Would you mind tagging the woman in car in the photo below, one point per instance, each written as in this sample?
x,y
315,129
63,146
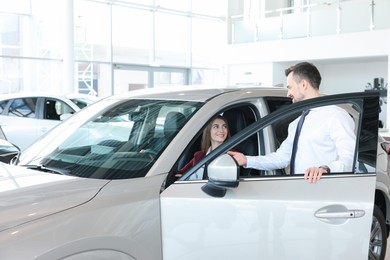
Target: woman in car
x,y
216,132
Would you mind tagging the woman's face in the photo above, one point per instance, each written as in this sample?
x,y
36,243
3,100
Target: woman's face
x,y
219,131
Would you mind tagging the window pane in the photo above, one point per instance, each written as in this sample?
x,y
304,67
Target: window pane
x,y
42,32
182,5
131,35
10,38
16,6
128,80
207,38
30,75
23,107
207,77
92,31
2,105
214,8
171,39
164,78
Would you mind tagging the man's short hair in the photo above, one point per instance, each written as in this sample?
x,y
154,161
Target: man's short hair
x,y
305,70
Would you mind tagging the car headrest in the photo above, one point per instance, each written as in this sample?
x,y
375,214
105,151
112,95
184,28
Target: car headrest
x,y
236,120
174,121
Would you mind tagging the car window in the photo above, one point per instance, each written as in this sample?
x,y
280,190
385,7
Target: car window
x,y
268,138
2,135
279,128
277,132
238,117
3,104
54,108
23,107
121,142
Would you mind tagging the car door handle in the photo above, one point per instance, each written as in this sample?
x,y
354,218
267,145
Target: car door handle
x,y
337,214
356,213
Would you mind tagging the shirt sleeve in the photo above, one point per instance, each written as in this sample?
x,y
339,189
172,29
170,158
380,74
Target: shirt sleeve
x,y
342,131
278,159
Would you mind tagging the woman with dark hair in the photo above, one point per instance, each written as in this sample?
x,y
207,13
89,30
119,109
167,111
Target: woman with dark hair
x,y
216,132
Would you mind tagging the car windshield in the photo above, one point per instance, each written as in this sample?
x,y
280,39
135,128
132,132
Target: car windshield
x,y
120,142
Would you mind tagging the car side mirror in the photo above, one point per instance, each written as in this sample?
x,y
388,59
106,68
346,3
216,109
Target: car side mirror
x,y
386,147
223,173
9,153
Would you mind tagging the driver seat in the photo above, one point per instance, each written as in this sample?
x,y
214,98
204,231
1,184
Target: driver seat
x,y
237,121
174,121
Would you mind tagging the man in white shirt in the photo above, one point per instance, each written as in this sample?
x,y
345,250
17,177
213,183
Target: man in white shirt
x,y
327,138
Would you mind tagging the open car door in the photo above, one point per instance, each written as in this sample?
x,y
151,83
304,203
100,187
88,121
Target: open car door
x,y
276,217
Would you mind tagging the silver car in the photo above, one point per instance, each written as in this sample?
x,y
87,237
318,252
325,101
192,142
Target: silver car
x,y
103,185
25,117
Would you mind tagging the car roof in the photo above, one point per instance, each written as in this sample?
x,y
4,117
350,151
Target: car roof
x,y
197,93
81,96
48,95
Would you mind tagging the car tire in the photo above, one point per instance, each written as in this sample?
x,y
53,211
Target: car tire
x,y
378,238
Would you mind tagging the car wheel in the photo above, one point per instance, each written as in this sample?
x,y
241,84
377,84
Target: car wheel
x,y
378,238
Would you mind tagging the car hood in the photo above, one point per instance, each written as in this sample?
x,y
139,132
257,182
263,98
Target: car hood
x,y
27,194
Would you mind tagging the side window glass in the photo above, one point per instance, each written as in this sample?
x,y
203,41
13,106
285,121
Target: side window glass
x,y
275,103
280,128
55,108
23,107
3,104
236,119
328,137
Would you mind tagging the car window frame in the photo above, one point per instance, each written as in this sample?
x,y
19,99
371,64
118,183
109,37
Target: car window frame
x,y
356,99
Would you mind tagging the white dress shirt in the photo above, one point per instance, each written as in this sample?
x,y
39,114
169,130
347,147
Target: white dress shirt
x,y
327,138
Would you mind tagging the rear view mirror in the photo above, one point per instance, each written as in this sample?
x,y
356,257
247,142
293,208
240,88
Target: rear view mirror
x,y
223,173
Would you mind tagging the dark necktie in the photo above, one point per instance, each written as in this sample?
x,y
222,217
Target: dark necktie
x,y
296,138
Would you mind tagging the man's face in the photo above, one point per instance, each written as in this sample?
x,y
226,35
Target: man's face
x,y
295,90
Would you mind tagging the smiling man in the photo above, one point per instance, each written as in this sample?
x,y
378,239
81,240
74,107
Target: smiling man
x,y
324,141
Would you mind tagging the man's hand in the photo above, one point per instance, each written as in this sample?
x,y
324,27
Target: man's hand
x,y
239,157
314,174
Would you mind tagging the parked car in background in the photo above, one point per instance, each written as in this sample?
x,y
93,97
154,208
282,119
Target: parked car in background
x,y
24,117
103,185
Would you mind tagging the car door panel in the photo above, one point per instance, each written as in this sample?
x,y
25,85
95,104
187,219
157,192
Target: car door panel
x,y
267,218
20,130
277,217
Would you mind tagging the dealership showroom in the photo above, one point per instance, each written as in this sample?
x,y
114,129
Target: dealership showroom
x,y
157,129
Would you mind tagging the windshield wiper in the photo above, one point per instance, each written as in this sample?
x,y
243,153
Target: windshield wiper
x,y
43,168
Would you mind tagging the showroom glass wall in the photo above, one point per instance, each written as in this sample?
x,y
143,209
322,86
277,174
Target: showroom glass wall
x,y
264,20
109,47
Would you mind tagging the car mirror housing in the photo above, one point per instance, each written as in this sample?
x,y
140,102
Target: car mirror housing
x,y
8,152
223,173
